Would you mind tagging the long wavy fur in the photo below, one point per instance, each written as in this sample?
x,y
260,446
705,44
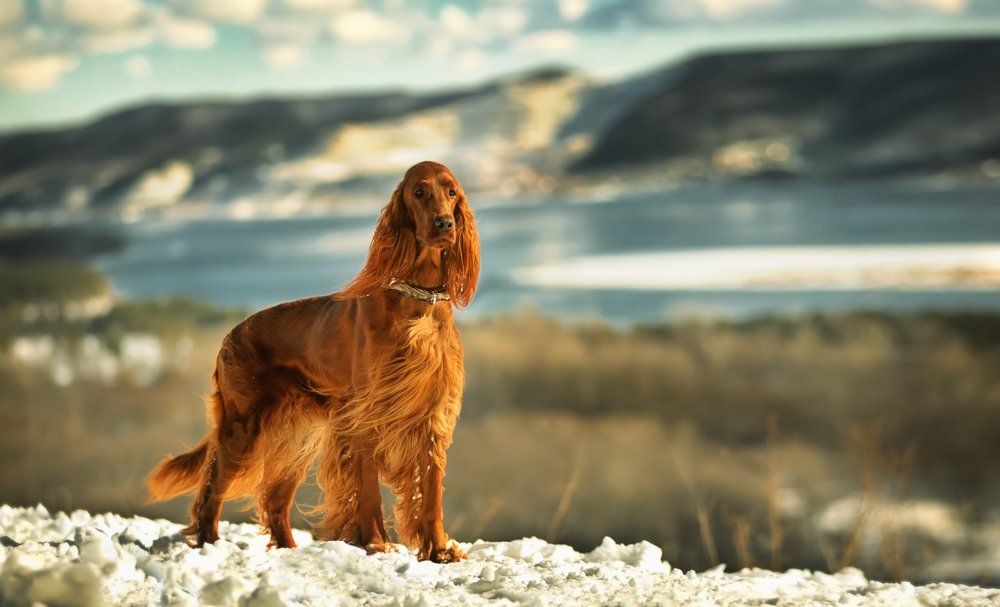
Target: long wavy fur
x,y
276,406
391,254
393,251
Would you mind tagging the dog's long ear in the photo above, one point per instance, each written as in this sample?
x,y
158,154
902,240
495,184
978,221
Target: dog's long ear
x,y
392,252
463,257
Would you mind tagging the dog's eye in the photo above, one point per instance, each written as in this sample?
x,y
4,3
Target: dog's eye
x,y
451,192
419,193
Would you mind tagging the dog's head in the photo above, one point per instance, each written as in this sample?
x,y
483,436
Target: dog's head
x,y
430,202
428,209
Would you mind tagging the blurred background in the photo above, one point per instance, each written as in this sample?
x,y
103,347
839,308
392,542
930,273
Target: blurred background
x,y
741,274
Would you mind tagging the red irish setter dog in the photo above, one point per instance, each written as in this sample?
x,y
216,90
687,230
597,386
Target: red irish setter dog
x,y
368,379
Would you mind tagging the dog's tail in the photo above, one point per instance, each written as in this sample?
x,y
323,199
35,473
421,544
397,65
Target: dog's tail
x,y
182,473
179,474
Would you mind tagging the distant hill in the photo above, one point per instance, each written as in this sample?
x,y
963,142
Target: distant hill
x,y
902,110
227,140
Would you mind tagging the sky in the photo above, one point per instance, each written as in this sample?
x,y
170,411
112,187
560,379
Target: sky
x,y
66,61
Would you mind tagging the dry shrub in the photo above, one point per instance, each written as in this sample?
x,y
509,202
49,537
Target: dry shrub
x,y
577,432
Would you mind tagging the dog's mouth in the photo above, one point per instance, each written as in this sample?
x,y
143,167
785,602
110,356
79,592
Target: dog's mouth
x,y
440,241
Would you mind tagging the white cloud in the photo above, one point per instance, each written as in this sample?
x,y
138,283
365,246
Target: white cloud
x,y
11,13
101,14
366,27
940,6
470,60
505,20
456,21
290,29
571,10
729,9
946,6
675,11
317,6
43,39
457,28
9,45
284,56
223,11
550,42
186,33
116,41
36,73
138,67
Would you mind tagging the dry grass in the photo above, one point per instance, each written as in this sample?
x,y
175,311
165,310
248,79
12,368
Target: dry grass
x,y
693,436
931,378
564,501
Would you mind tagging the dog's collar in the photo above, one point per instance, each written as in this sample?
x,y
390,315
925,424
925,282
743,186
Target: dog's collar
x,y
431,296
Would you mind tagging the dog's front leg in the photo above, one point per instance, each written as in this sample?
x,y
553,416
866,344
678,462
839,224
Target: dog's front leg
x,y
353,505
419,515
433,541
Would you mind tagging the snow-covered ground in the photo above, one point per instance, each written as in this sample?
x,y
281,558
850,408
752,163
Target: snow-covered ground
x,y
84,559
834,267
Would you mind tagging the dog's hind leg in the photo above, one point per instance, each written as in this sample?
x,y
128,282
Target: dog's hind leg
x,y
285,451
275,505
228,459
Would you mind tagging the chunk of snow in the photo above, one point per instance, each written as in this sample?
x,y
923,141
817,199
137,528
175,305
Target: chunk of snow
x,y
98,549
642,555
82,559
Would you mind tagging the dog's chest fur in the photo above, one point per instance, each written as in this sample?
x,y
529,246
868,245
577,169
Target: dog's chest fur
x,y
430,360
416,388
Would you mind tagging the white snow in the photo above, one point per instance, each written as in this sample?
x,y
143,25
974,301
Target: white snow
x,y
84,559
840,267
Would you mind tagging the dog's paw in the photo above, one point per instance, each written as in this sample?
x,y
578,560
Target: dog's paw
x,y
281,543
197,537
199,542
377,547
449,554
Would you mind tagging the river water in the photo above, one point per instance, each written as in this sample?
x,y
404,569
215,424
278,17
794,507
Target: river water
x,y
255,263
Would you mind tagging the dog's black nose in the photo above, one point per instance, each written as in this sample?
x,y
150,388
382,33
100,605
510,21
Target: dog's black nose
x,y
444,223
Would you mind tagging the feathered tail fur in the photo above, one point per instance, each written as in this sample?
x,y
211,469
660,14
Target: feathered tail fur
x,y
179,474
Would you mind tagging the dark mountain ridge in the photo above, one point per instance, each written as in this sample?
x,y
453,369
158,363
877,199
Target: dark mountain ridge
x,y
872,111
40,166
901,110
